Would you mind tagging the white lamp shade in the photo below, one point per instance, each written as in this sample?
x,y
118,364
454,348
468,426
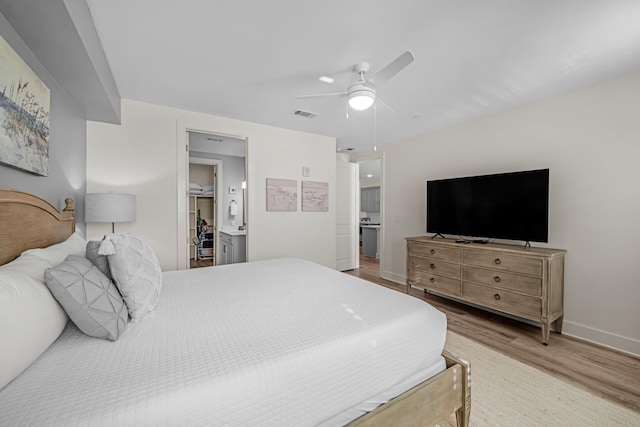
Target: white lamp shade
x,y
109,207
361,99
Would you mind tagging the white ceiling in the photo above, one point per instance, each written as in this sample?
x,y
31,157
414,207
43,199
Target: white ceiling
x,y
250,59
369,170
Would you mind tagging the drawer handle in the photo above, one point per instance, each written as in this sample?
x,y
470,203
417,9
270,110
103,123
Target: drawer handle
x,y
497,261
432,266
432,280
497,297
432,251
497,279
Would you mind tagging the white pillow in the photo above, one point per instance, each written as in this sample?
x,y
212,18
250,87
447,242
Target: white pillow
x,y
55,254
136,272
30,318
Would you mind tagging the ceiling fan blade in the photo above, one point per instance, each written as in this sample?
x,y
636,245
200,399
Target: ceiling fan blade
x,y
378,99
393,68
324,95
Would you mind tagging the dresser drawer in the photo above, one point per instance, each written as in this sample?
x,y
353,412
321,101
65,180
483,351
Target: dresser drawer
x,y
435,251
435,266
424,280
503,280
524,282
503,261
509,302
226,238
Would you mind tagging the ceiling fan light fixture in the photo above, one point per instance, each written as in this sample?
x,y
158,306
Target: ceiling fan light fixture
x,y
361,98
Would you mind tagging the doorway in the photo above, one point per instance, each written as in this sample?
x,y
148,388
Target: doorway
x,y
371,210
225,156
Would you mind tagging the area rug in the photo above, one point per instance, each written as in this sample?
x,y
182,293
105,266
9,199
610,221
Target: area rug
x,y
505,392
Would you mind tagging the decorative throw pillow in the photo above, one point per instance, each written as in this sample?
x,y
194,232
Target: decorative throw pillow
x,y
136,272
90,299
100,261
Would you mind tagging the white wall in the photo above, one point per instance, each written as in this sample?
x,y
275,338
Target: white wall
x,y
590,140
146,156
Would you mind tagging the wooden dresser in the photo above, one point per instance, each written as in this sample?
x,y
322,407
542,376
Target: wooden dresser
x,y
524,282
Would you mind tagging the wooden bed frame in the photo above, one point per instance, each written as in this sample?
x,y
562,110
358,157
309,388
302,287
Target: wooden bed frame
x,y
27,222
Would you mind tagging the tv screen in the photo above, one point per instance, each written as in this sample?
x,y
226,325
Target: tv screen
x,y
512,206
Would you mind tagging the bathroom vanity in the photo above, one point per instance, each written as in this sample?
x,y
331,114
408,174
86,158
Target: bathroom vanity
x,y
233,246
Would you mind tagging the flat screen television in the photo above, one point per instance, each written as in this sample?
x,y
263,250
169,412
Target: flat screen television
x,y
513,206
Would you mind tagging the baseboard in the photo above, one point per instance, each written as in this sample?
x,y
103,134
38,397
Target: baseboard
x,y
606,339
398,278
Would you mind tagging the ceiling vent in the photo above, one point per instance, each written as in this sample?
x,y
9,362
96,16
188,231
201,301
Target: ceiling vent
x,y
306,114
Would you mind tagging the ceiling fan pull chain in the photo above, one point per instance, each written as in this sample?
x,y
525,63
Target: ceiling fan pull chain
x,y
375,128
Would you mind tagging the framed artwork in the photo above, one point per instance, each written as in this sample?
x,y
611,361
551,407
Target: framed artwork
x,y
282,195
24,115
315,196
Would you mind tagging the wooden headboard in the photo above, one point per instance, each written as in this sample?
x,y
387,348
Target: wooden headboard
x,y
27,222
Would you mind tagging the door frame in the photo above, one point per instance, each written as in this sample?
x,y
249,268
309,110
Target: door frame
x,y
182,185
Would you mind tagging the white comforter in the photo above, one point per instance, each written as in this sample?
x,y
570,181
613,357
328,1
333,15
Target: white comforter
x,y
282,342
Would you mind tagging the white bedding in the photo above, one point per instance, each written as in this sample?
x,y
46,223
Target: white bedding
x,y
283,342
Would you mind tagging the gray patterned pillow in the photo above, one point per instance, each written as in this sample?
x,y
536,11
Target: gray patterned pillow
x,y
90,299
100,261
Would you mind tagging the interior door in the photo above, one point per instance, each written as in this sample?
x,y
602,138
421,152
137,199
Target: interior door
x,y
347,202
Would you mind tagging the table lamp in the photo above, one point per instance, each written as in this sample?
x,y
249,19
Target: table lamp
x,y
109,207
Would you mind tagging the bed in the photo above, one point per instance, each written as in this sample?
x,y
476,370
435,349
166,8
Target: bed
x,y
278,342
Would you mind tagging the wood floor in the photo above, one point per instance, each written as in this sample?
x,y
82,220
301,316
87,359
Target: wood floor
x,y
193,263
606,373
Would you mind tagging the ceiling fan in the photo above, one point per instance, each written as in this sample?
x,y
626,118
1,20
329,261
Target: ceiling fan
x,y
362,94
